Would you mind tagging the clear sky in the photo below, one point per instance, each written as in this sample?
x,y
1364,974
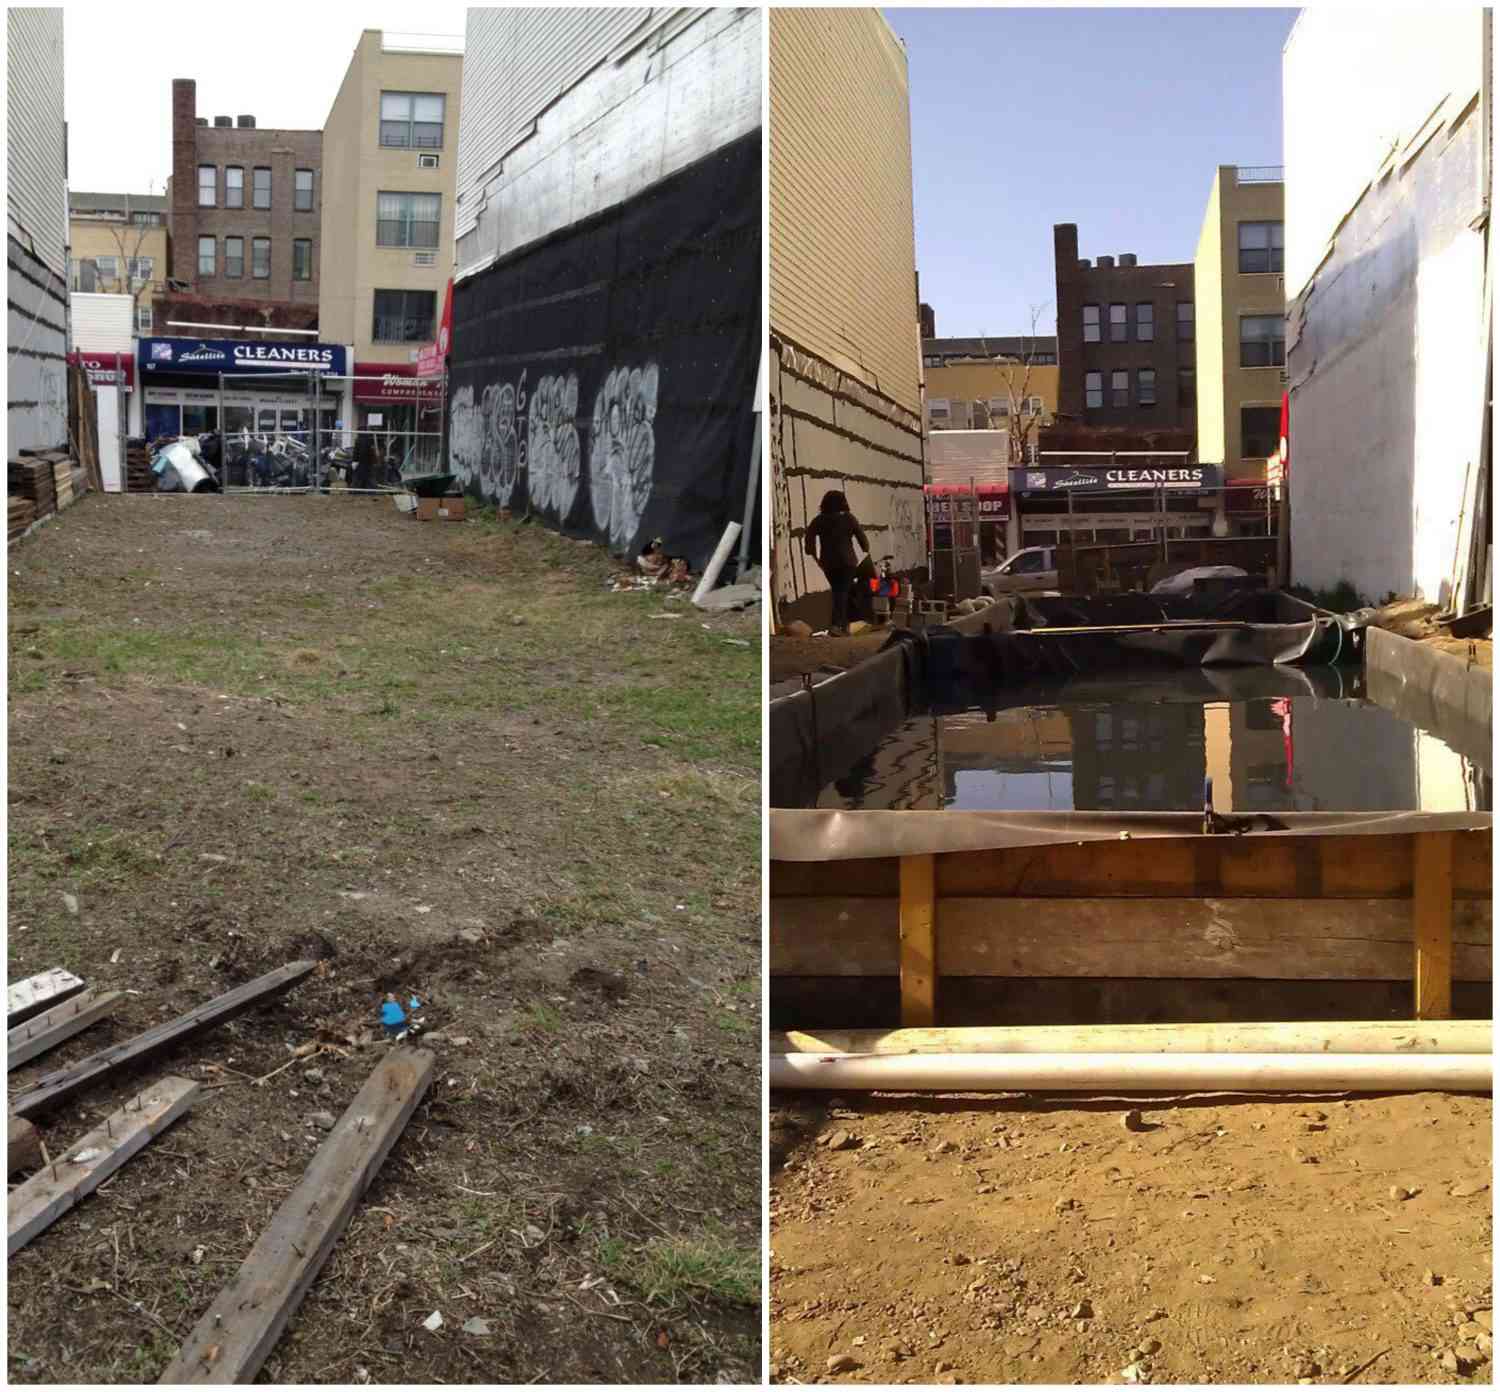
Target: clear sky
x,y
281,63
1114,119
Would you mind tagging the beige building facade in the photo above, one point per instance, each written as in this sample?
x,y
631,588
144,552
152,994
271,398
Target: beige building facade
x,y
390,147
1241,312
117,245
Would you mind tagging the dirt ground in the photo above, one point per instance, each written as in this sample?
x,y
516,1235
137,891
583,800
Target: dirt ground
x,y
1412,618
441,759
1005,1240
791,657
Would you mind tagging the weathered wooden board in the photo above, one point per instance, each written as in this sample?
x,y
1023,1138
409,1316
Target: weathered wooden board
x,y
52,1191
1289,939
38,993
1295,1037
1432,925
23,1147
42,1032
1226,867
239,1330
58,1086
919,949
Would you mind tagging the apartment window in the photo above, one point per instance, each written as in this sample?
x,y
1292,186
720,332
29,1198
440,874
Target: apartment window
x,y
1145,323
932,362
302,197
261,191
146,219
302,259
139,268
234,257
1119,388
1117,326
1031,406
106,267
1260,247
1260,431
1184,321
234,186
143,319
207,186
1145,386
207,257
1093,390
407,219
406,316
260,258
1044,359
411,120
1187,389
1091,323
999,408
1262,340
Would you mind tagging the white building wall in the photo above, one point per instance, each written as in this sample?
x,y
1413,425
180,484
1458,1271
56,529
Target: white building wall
x,y
568,112
1384,276
103,323
36,194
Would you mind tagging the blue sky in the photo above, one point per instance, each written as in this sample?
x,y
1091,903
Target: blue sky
x,y
1111,118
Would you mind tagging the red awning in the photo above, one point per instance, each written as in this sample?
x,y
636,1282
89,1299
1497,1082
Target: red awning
x,y
107,369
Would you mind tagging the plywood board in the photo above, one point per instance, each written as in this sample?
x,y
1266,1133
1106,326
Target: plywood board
x,y
38,993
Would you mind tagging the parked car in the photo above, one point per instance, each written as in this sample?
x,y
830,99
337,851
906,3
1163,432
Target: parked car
x,y
1027,572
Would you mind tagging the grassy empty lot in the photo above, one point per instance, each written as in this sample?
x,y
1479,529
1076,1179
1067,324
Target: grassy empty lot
x,y
440,759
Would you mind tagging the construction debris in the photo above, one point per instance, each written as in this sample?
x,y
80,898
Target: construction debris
x,y
37,993
33,1038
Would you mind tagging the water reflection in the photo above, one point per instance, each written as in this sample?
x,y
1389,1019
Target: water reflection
x,y
1272,740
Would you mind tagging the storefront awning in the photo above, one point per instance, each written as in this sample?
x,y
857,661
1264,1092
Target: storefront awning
x,y
106,369
392,384
212,356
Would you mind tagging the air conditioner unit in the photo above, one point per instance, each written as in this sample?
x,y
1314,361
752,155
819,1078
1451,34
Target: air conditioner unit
x,y
427,161
424,258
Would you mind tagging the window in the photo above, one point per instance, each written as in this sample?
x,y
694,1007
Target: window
x,y
1031,406
207,186
932,362
139,268
411,120
1145,386
261,193
407,219
234,257
405,316
1260,431
1187,389
1027,563
1093,390
302,199
1145,323
106,267
1260,247
146,219
207,257
1262,340
260,258
234,186
302,259
1091,323
143,319
1184,321
1119,388
1117,326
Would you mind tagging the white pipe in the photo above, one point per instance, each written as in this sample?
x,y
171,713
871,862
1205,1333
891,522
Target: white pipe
x,y
711,574
1134,1072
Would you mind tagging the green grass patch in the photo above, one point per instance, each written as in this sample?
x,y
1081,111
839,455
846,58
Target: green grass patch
x,y
674,1271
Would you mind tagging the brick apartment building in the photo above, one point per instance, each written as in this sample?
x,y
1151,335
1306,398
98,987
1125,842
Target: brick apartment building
x,y
1125,339
243,206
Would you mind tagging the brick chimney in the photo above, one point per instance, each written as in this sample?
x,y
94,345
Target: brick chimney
x,y
182,212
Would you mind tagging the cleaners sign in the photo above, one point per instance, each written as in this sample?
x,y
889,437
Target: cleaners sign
x,y
215,355
1054,480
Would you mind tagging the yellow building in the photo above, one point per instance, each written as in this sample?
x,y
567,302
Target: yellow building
x,y
990,383
390,147
1241,329
117,245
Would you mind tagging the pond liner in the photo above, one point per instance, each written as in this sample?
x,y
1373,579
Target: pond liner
x,y
1444,694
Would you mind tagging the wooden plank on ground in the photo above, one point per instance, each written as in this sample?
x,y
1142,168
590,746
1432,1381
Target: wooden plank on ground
x,y
38,993
1275,939
58,1086
28,1041
77,1172
1432,924
1252,1037
23,1147
239,1330
919,940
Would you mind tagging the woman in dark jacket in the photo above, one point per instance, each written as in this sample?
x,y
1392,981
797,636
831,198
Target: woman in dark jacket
x,y
830,539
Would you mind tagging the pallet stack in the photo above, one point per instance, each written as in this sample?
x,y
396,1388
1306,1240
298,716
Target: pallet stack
x,y
22,515
62,477
138,475
32,478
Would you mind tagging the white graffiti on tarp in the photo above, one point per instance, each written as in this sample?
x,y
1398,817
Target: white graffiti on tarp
x,y
465,436
552,451
622,451
482,442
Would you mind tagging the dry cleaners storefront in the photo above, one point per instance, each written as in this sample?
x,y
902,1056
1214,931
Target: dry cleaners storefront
x,y
192,385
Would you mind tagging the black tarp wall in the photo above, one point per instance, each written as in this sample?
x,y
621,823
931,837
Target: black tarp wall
x,y
603,378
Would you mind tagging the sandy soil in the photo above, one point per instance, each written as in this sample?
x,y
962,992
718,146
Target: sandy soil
x,y
974,1240
436,758
790,657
